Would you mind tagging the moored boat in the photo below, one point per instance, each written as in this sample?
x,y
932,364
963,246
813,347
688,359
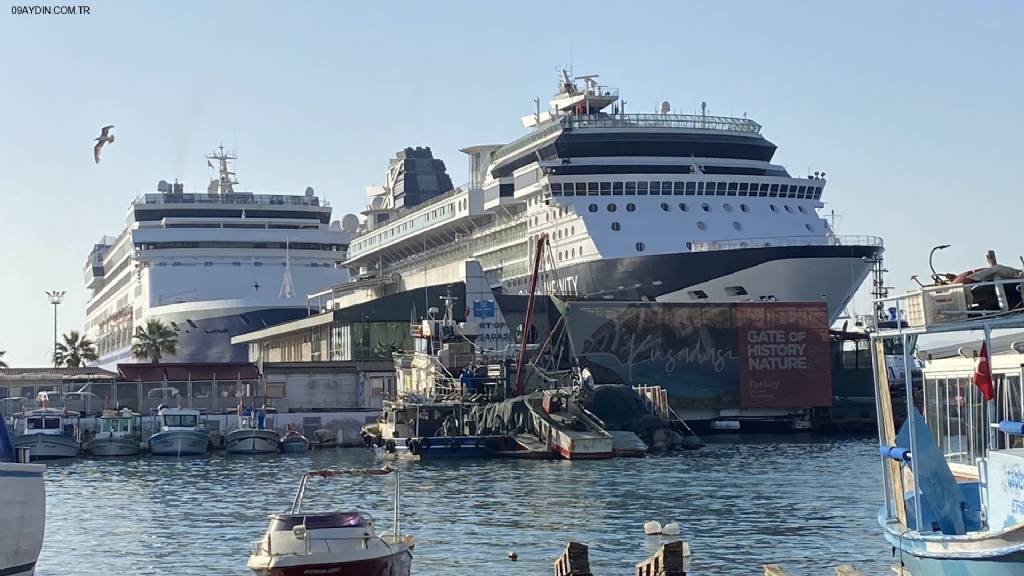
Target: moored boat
x,y
22,510
567,428
293,441
334,542
48,433
427,430
252,435
180,434
118,434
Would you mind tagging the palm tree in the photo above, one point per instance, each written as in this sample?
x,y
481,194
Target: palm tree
x,y
2,363
153,341
75,351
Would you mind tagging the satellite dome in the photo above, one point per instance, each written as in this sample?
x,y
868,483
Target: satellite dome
x,y
349,223
376,203
309,190
336,226
666,107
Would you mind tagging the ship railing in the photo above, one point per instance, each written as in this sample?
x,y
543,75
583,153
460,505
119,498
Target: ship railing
x,y
231,198
784,241
954,307
686,121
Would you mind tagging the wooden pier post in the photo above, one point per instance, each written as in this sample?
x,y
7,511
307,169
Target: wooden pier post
x,y
667,561
574,561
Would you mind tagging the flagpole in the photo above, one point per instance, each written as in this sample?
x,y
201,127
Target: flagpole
x,y
990,405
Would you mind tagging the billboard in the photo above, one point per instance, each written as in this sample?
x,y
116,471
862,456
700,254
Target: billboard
x,y
715,356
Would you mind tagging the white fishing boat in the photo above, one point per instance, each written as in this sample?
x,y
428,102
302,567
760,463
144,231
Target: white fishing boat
x,y
48,433
180,433
22,510
293,441
252,435
953,483
299,543
118,435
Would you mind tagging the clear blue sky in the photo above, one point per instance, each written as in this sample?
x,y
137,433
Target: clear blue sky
x,y
913,109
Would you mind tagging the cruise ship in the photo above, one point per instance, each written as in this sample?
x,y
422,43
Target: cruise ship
x,y
210,266
635,206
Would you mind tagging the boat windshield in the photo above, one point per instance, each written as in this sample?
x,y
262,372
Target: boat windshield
x,y
335,520
115,424
43,423
180,420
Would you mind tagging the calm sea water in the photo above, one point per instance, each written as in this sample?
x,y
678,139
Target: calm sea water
x,y
803,501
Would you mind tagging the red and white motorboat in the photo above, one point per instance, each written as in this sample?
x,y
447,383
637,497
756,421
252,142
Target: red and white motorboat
x,y
301,543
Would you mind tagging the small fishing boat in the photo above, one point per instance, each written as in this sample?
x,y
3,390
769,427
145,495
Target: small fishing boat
x,y
299,543
118,434
48,433
252,435
424,430
567,428
22,510
293,441
180,433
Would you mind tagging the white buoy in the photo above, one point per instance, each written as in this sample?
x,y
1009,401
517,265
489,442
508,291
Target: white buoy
x,y
670,529
652,527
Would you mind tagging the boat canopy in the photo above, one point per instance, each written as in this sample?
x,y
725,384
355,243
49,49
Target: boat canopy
x,y
317,520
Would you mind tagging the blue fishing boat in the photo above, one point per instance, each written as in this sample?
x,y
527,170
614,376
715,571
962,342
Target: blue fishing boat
x,y
180,434
954,477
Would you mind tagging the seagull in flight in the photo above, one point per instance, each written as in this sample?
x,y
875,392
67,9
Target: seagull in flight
x,y
105,138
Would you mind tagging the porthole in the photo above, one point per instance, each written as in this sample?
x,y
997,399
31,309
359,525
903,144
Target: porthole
x,y
809,227
702,226
684,207
592,208
773,207
572,230
802,209
788,208
640,247
664,207
737,226
573,252
689,245
727,206
630,207
612,207
616,226
744,208
705,207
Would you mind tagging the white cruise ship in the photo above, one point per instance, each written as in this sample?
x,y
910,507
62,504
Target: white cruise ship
x,y
210,266
658,207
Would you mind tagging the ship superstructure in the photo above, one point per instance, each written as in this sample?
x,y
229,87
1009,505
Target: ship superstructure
x,y
210,265
662,206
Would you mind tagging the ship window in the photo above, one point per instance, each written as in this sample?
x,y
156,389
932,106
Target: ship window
x,y
773,191
592,189
641,188
744,208
678,188
689,245
743,188
784,190
802,209
640,247
737,225
655,188
664,206
592,207
705,207
801,192
702,226
162,264
616,188
727,206
556,190
809,227
606,188
666,188
207,263
684,207
616,226
630,207
736,291
630,188
612,207
573,252
773,207
732,188
720,189
691,188
789,208
568,190
190,323
764,191
698,294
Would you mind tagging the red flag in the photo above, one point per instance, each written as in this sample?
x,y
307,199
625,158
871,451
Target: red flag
x,y
982,376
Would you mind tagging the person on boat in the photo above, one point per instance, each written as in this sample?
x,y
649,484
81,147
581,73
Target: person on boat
x,y
466,378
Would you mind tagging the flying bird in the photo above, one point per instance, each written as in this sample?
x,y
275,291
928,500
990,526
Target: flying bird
x,y
105,137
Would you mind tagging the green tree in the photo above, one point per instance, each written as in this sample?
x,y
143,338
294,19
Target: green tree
x,y
75,351
2,363
153,341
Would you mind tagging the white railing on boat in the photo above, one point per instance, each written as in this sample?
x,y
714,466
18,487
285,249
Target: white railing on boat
x,y
783,241
946,306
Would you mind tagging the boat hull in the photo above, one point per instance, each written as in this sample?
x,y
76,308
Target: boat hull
x,y
292,446
113,447
22,517
1002,566
179,443
398,564
48,446
251,442
995,553
435,448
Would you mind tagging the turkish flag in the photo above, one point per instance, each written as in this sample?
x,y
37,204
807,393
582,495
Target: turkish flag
x,y
982,376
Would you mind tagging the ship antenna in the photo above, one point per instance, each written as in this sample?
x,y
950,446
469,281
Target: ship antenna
x,y
287,291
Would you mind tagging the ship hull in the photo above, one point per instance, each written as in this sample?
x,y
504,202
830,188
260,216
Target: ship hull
x,y
113,447
22,517
178,443
398,564
251,442
47,446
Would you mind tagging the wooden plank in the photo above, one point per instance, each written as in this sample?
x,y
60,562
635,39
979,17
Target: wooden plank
x,y
667,561
888,426
574,560
773,570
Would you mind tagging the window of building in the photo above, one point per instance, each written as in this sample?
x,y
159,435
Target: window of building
x,y
630,207
616,226
640,247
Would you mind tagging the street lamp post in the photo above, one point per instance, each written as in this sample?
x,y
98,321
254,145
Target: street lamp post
x,y
55,296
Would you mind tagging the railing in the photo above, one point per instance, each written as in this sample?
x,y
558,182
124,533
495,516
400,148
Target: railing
x,y
662,121
777,241
230,198
946,306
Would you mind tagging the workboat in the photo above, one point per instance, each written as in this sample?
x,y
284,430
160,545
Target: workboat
x,y
293,441
335,542
568,428
252,435
180,433
48,433
411,429
119,434
22,510
953,483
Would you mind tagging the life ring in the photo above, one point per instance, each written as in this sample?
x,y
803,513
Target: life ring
x,y
414,446
389,446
